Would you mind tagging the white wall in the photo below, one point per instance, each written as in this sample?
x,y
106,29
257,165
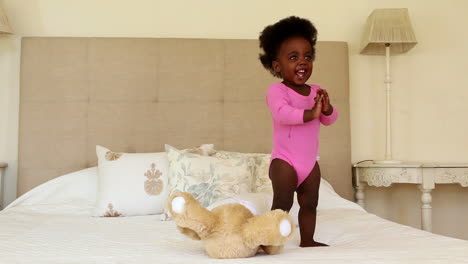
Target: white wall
x,y
9,106
429,82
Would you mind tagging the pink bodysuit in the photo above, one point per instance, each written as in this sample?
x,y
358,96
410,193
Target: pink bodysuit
x,y
294,141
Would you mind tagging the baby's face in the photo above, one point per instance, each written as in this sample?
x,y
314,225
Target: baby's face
x,y
294,61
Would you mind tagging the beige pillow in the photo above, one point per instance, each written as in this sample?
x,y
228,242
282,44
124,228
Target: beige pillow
x,y
260,165
261,173
208,178
131,183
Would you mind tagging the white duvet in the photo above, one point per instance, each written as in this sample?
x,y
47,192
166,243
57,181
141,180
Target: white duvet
x,y
52,224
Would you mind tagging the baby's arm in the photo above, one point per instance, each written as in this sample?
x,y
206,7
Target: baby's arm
x,y
280,108
329,119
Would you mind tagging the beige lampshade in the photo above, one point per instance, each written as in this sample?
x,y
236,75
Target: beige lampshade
x,y
388,26
4,25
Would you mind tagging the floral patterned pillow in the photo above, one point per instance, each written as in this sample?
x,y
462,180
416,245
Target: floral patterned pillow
x,y
131,183
262,177
208,178
260,165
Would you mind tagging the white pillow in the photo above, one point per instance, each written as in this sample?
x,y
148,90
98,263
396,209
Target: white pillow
x,y
257,203
72,193
208,178
131,183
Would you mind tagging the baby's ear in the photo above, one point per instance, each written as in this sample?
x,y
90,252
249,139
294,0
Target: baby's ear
x,y
276,66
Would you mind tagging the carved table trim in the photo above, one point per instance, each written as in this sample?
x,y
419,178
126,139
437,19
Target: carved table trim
x,y
426,175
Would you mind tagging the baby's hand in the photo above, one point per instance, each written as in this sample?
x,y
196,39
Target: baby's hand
x,y
318,107
316,111
326,106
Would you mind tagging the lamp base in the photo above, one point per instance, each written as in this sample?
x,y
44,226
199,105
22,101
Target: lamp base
x,y
387,161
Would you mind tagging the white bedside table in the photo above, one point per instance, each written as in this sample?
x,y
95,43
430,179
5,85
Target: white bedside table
x,y
3,165
427,175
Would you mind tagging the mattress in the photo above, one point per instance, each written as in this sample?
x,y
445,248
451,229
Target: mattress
x,y
53,224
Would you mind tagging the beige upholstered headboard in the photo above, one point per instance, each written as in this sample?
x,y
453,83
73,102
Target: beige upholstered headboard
x,y
135,95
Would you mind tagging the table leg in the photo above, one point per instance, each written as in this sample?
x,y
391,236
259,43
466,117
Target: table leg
x,y
360,195
426,209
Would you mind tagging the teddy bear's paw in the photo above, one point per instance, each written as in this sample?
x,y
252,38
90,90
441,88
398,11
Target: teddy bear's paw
x,y
272,250
178,204
285,227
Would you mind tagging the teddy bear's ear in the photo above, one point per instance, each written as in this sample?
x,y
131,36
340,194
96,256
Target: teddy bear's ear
x,y
189,232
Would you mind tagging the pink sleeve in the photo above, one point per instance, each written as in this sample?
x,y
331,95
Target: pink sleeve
x,y
328,120
280,108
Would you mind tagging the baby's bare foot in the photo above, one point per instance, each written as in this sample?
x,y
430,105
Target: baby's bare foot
x,y
312,244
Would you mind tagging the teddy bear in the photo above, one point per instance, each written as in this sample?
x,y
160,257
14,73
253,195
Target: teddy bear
x,y
231,230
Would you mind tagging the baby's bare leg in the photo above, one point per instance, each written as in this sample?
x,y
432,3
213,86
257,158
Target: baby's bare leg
x,y
284,180
307,196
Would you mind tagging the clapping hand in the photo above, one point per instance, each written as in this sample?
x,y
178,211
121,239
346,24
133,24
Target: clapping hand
x,y
322,106
318,106
327,108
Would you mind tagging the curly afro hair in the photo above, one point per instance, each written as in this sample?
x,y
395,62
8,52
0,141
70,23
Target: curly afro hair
x,y
273,35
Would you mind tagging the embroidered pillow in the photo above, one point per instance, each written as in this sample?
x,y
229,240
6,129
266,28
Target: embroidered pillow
x,y
131,183
260,168
261,173
208,178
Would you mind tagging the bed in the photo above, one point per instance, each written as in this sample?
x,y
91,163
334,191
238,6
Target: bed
x,y
135,96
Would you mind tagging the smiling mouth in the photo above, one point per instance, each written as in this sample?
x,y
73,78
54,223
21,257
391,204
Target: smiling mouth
x,y
301,73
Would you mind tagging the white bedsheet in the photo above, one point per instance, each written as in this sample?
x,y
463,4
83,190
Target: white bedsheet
x,y
354,236
52,224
